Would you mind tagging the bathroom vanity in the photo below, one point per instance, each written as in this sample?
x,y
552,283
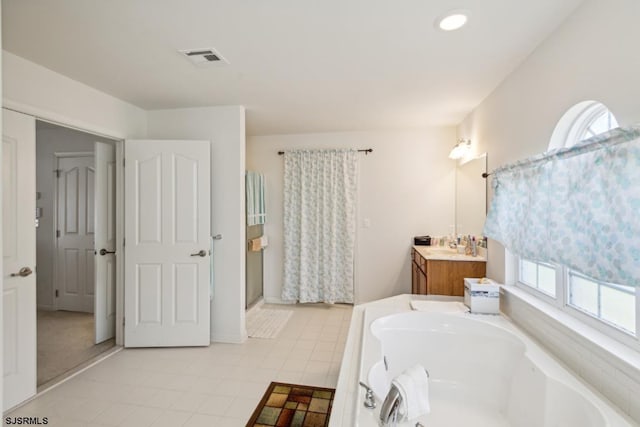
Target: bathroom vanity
x,y
441,271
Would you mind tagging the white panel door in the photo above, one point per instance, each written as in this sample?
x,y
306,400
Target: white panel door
x,y
75,230
167,221
19,257
105,241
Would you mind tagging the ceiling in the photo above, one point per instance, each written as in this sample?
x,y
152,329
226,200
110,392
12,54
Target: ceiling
x,y
297,66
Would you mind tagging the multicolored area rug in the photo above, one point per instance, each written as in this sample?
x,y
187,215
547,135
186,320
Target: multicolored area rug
x,y
291,405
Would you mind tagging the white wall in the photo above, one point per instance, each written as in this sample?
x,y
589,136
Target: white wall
x,y
225,128
592,56
48,142
406,188
33,89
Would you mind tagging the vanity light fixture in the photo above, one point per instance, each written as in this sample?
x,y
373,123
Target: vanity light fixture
x,y
453,20
460,149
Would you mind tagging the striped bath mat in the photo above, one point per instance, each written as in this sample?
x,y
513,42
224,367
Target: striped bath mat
x,y
266,323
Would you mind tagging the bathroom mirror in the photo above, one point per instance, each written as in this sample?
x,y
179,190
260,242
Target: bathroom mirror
x,y
471,196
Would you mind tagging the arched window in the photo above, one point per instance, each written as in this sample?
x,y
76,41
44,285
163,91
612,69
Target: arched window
x,y
610,303
580,122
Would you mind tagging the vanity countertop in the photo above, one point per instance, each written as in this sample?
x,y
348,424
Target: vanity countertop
x,y
437,253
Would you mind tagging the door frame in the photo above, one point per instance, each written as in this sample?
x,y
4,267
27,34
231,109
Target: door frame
x,y
57,156
70,123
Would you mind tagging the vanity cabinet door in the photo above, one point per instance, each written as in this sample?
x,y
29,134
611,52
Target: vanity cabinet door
x,y
418,274
422,282
441,281
447,277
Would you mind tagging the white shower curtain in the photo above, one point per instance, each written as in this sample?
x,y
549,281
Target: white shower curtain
x,y
319,225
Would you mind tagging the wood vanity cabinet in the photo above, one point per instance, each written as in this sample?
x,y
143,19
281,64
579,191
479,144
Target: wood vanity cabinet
x,y
440,277
418,280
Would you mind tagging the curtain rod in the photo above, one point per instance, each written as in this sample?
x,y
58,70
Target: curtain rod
x,y
366,151
612,137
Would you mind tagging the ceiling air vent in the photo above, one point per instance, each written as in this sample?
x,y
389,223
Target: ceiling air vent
x,y
204,56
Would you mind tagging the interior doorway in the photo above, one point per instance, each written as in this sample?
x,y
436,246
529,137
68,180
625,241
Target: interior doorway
x,y
75,210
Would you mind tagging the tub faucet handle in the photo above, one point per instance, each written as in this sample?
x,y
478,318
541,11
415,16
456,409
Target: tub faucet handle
x,y
369,399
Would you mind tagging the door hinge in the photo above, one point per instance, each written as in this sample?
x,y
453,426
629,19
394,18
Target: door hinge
x,y
57,293
57,172
123,321
124,241
58,233
123,162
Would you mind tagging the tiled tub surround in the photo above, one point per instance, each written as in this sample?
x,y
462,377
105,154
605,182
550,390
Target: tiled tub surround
x,y
549,387
607,365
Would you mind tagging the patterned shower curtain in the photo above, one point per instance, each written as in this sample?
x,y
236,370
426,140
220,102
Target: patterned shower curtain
x,y
319,225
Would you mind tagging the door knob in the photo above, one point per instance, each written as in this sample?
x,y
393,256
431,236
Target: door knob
x,y
201,253
104,252
24,272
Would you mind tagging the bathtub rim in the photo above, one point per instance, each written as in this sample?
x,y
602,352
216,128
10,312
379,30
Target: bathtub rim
x,y
348,402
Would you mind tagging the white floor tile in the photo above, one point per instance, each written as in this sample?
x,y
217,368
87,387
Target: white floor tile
x,y
272,363
78,409
201,420
215,405
242,405
321,356
142,417
208,385
324,346
233,422
295,365
164,398
314,367
189,401
170,418
305,344
115,414
301,354
219,385
289,377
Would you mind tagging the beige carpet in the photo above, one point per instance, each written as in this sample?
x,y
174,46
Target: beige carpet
x,y
65,340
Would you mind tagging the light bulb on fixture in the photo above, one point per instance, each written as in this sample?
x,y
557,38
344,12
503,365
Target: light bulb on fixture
x,y
460,149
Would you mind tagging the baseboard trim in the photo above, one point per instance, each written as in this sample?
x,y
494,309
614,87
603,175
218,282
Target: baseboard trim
x,y
229,339
276,300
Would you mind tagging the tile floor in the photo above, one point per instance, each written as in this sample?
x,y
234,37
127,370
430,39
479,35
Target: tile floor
x,y
218,385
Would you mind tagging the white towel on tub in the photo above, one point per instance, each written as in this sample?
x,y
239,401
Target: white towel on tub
x,y
413,385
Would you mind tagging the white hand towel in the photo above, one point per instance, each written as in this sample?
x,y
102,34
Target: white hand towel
x,y
413,385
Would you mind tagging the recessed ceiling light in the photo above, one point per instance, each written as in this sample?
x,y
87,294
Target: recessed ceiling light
x,y
453,20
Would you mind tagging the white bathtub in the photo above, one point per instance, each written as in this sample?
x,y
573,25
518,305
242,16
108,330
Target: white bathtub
x,y
482,371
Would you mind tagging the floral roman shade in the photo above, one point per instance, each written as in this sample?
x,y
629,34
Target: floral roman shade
x,y
319,225
577,206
